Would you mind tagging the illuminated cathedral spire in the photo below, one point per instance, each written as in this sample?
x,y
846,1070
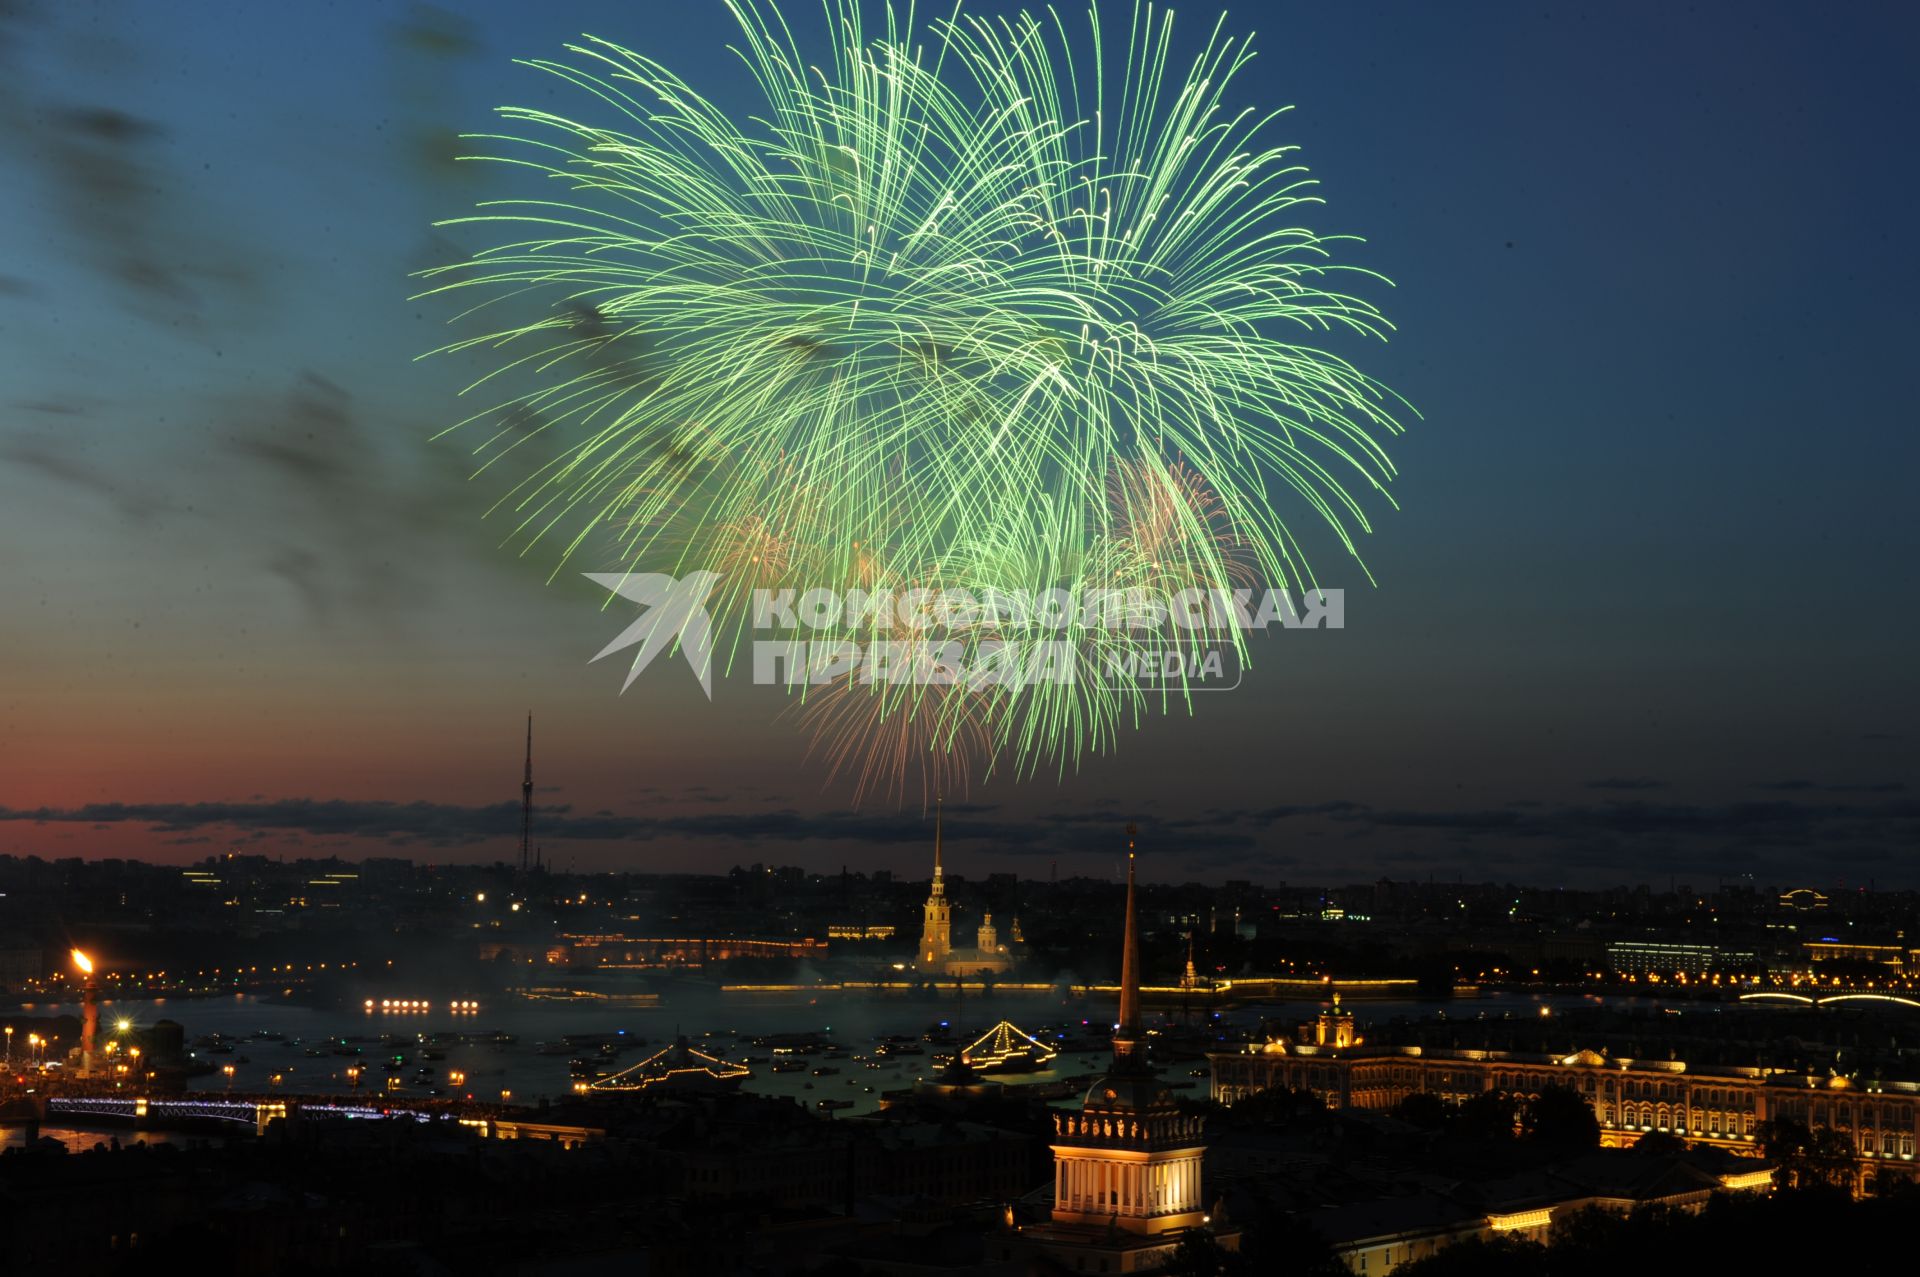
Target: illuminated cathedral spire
x,y
939,807
936,935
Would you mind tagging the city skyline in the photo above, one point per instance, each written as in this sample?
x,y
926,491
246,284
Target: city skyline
x,y
823,638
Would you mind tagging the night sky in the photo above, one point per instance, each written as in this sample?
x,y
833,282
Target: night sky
x,y
1646,612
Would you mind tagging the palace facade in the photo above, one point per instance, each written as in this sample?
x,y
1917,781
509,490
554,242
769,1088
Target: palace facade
x,y
1718,1106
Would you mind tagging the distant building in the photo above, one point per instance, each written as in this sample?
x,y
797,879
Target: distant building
x,y
1650,957
21,964
860,931
1714,1106
623,952
936,954
1334,1027
1378,1236
1897,956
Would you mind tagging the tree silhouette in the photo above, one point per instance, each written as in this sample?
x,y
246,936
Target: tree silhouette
x,y
1560,1119
1817,1157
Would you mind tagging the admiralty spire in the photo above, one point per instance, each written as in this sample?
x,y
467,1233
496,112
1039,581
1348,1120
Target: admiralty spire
x,y
1127,1178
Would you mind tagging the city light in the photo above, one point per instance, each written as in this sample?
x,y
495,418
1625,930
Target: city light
x,y
461,1006
914,460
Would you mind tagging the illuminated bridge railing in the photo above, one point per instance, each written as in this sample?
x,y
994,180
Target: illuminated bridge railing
x,y
361,1111
242,1112
131,1107
1830,999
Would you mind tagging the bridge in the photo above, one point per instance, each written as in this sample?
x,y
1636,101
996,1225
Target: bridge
x,y
1830,1000
256,1112
253,1112
143,1111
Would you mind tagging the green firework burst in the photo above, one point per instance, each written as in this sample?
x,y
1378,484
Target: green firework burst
x,y
952,307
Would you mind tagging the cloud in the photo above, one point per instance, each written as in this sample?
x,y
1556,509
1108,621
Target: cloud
x,y
445,824
132,498
1627,782
1620,840
1799,786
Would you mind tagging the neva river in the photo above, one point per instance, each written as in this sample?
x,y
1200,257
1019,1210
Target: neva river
x,y
709,1020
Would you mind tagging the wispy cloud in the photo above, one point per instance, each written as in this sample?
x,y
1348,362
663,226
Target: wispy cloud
x,y
1620,837
1810,786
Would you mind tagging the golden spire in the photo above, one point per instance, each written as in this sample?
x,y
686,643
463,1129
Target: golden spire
x,y
938,807
1126,1038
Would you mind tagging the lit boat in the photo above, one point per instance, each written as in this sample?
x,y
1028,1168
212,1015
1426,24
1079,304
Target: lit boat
x,y
677,1067
1007,1048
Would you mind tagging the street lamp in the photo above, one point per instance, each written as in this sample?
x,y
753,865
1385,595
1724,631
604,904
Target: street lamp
x,y
228,1070
9,1046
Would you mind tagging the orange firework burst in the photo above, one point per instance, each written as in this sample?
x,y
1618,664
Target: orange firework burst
x,y
890,738
1170,530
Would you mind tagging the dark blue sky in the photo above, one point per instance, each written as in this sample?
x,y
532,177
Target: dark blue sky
x,y
1646,609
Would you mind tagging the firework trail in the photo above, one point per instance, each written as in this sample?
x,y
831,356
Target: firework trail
x,y
950,305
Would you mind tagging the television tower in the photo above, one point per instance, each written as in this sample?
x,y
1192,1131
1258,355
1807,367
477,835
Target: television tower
x,y
526,802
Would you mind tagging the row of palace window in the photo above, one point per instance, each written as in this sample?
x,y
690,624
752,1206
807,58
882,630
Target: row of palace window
x,y
1643,1102
1891,1117
1665,1117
